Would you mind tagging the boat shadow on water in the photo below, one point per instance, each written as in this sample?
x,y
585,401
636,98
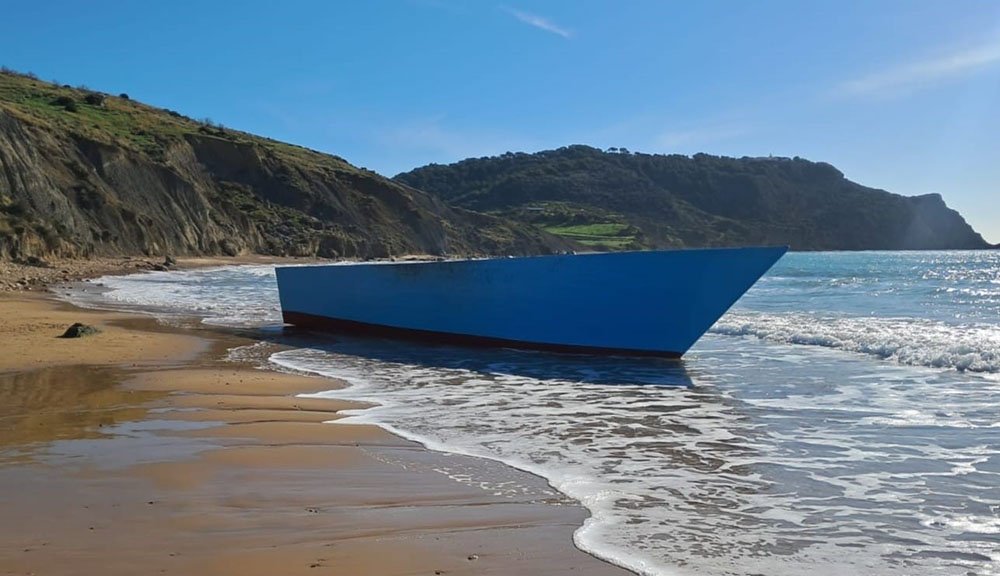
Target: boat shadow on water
x,y
576,368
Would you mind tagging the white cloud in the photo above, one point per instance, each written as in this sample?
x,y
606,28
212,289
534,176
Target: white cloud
x,y
538,22
918,74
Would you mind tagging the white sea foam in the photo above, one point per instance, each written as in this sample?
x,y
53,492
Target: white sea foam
x,y
909,341
224,296
966,523
256,353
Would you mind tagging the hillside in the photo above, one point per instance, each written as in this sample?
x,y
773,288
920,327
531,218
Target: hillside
x,y
85,174
621,200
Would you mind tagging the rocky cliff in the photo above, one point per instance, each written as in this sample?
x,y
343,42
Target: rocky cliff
x,y
85,174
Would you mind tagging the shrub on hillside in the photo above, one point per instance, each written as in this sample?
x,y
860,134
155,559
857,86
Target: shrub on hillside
x,y
67,103
94,99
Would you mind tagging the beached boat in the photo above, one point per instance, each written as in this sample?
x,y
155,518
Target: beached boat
x,y
655,303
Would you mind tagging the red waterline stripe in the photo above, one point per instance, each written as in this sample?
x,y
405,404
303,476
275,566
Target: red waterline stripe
x,y
322,323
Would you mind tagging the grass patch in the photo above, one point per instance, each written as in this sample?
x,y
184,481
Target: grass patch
x,y
121,121
604,235
593,227
90,114
601,230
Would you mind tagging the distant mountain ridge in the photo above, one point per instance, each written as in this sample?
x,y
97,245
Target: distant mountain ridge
x,y
622,200
84,174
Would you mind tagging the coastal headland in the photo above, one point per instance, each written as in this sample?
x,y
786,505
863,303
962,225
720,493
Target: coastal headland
x,y
143,450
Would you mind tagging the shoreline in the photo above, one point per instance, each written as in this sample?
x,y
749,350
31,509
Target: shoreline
x,y
41,276
145,414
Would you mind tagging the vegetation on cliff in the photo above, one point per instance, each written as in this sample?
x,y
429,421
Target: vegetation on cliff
x,y
85,174
620,200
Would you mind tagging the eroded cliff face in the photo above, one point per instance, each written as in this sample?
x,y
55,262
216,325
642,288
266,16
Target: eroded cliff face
x,y
68,193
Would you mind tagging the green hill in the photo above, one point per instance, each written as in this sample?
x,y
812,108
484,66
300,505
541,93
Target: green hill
x,y
89,174
620,200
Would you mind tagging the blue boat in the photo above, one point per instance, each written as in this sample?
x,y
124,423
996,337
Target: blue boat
x,y
655,303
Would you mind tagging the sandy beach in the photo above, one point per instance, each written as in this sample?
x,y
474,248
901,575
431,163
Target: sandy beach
x,y
140,450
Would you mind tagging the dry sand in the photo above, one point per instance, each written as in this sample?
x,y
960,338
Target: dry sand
x,y
137,451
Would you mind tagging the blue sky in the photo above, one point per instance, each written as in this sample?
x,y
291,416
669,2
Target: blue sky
x,y
899,94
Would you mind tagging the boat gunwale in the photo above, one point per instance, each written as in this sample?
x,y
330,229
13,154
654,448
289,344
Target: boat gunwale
x,y
443,260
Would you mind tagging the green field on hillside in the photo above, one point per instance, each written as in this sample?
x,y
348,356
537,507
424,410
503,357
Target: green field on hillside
x,y
610,235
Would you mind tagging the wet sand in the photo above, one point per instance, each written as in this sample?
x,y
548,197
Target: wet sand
x,y
139,451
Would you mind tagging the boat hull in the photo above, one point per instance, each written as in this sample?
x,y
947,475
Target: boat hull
x,y
311,322
655,303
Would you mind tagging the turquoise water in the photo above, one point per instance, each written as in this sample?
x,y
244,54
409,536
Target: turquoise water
x,y
843,418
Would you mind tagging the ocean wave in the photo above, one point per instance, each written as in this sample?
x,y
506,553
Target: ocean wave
x,y
241,296
967,523
908,341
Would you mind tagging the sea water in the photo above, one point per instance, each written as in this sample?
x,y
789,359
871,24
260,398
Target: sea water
x,y
842,418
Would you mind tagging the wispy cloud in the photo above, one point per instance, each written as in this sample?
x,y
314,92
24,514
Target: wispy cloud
x,y
676,140
914,75
538,22
667,134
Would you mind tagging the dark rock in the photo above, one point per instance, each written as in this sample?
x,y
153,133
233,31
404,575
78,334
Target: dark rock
x,y
169,261
229,248
79,330
35,261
